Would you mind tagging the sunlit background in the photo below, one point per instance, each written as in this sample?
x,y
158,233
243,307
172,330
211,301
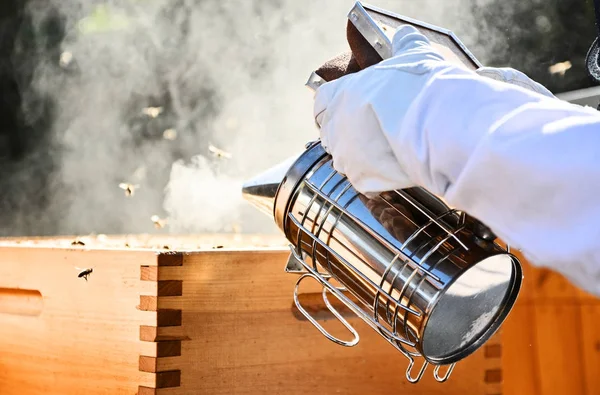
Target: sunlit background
x,y
145,116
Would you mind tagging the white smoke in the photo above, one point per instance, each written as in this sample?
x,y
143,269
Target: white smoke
x,y
227,73
198,198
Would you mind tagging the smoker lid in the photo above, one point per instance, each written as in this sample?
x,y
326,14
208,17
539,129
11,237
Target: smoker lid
x,y
472,309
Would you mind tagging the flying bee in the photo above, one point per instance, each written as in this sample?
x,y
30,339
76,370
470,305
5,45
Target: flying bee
x,y
128,188
84,273
65,59
219,153
170,134
560,68
152,112
158,222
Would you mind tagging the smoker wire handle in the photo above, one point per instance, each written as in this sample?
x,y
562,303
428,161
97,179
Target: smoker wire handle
x,y
327,286
313,321
356,339
411,363
441,379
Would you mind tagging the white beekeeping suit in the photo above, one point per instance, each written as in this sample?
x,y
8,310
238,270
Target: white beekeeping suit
x,y
510,154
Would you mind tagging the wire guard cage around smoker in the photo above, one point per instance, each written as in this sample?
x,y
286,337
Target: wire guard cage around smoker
x,y
412,268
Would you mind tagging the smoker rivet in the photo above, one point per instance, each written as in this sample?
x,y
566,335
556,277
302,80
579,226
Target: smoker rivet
x,y
354,16
378,45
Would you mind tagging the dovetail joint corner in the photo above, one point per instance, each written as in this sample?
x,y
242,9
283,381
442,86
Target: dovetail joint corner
x,y
166,332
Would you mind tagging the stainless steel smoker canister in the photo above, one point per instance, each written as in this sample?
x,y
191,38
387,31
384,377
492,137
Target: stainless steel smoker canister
x,y
430,279
420,273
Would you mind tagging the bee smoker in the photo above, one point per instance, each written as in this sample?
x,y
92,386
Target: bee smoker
x,y
428,278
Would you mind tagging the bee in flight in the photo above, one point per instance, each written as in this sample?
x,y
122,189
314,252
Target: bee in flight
x,y
84,273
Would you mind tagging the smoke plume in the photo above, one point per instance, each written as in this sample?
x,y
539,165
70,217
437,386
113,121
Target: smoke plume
x,y
164,107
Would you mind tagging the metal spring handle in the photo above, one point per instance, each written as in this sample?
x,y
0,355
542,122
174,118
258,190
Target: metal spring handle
x,y
333,311
309,271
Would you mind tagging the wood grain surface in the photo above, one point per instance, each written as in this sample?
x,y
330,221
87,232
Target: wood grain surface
x,y
217,317
246,337
86,338
551,340
207,321
221,320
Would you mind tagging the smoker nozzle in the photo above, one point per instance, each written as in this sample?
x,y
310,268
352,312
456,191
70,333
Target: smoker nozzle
x,y
261,190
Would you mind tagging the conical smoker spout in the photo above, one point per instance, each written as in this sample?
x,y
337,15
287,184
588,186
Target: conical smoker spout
x,y
261,190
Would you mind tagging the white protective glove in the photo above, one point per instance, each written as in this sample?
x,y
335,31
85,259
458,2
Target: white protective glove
x,y
350,126
523,162
353,110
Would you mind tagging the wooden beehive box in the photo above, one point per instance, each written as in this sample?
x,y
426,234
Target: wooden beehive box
x,y
191,319
551,340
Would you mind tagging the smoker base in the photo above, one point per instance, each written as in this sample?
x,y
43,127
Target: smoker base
x,y
193,319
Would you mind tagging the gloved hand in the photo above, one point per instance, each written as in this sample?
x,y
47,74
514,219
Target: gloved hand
x,y
359,113
350,127
501,149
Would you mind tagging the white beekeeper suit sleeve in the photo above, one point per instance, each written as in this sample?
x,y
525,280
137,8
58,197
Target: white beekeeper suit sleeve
x,y
521,161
